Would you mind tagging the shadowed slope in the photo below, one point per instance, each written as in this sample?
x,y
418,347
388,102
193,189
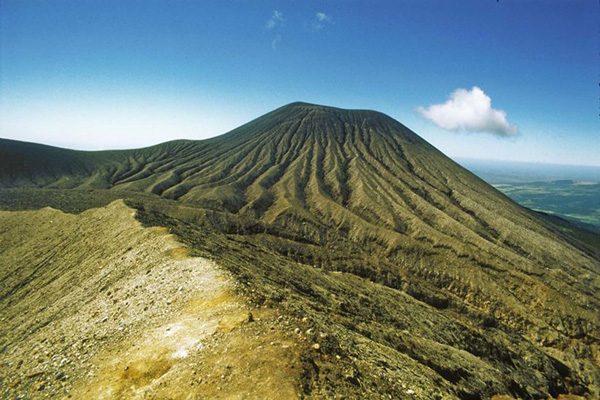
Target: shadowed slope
x,y
356,192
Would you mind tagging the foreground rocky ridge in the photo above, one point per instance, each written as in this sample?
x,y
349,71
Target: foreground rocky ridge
x,y
95,306
423,277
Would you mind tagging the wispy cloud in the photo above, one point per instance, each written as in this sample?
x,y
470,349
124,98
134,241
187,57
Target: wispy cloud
x,y
275,42
275,21
469,111
321,16
276,25
321,20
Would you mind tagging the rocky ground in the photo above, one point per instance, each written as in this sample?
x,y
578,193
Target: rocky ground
x,y
95,306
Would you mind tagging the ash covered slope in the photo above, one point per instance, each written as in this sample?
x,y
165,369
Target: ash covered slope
x,y
93,306
506,301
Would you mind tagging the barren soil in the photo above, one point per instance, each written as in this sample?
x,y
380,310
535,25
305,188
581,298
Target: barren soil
x,y
96,306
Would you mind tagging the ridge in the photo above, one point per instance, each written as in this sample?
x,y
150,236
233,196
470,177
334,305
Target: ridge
x,y
350,218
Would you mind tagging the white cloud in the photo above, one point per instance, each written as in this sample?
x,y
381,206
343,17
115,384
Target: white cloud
x,y
321,19
275,20
469,111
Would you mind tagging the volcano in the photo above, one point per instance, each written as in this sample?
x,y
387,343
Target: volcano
x,y
405,274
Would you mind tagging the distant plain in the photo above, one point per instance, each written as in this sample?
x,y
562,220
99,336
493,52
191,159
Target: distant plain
x,y
568,191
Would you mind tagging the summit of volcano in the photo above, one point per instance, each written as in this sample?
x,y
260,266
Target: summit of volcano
x,y
398,272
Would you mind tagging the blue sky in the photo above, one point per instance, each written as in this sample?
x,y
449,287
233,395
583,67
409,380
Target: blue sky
x,y
117,74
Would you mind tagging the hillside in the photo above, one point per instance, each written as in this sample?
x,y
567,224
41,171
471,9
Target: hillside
x,y
423,280
134,317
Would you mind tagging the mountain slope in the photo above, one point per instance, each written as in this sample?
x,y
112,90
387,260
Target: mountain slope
x,y
356,220
92,317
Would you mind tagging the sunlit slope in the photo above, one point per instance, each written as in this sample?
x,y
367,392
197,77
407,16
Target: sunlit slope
x,y
94,306
317,190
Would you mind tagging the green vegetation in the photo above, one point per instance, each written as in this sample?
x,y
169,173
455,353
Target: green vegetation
x,y
567,191
577,201
422,276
